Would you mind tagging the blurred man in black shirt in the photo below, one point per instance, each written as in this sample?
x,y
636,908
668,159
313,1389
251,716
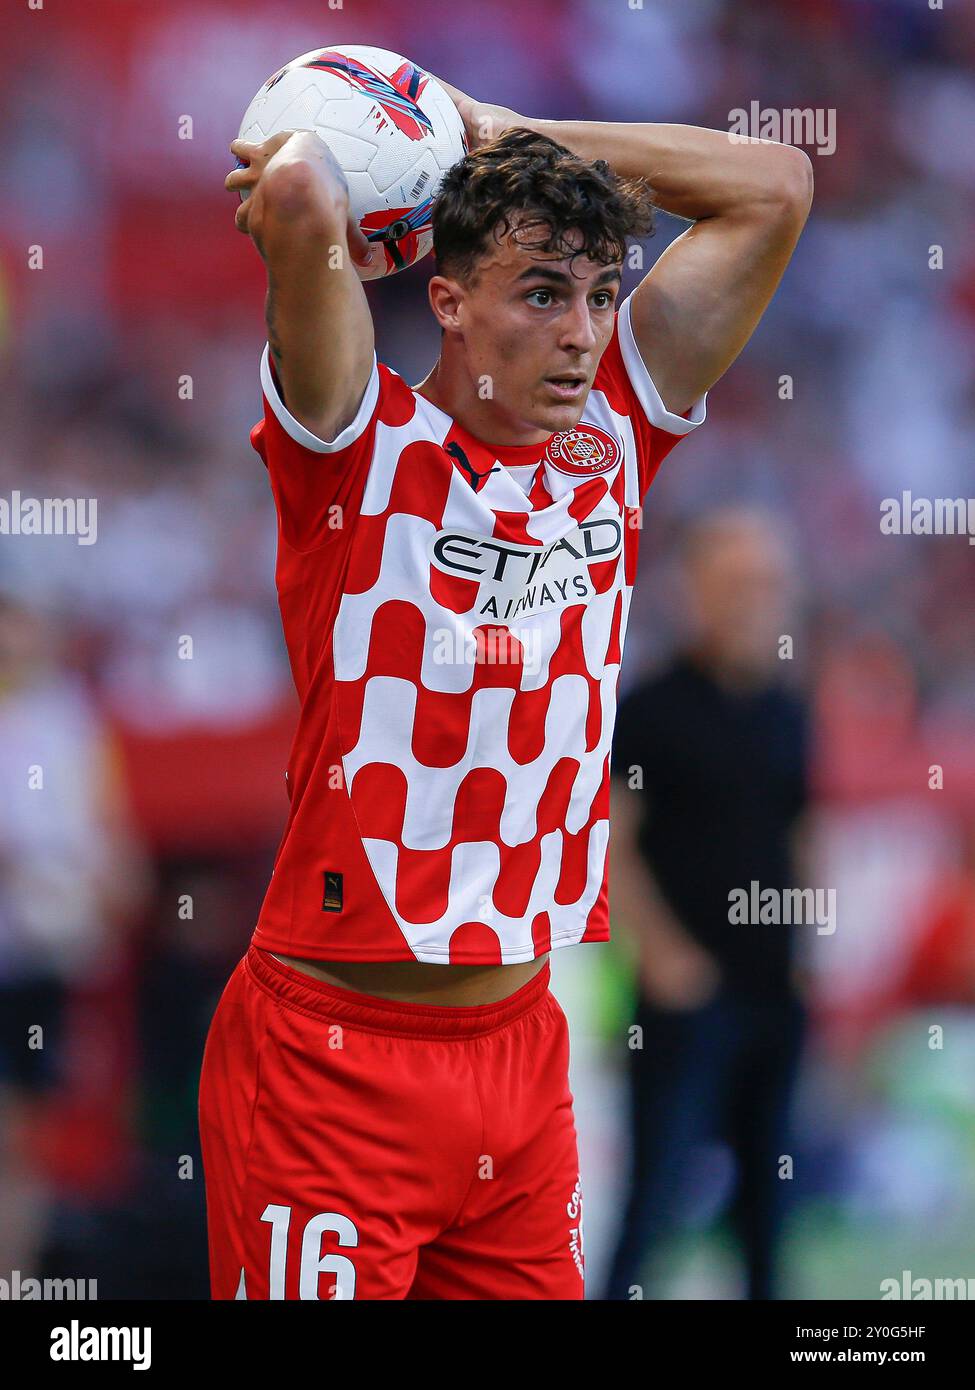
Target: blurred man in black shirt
x,y
709,780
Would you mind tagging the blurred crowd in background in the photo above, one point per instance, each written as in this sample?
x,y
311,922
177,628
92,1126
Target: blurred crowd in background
x,y
130,882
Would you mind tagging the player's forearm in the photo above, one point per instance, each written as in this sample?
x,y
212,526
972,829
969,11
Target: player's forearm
x,y
694,172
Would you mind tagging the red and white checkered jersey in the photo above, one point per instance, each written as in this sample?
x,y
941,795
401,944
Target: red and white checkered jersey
x,y
455,639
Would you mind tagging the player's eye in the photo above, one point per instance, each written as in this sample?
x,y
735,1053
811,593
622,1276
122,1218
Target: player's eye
x,y
535,293
606,296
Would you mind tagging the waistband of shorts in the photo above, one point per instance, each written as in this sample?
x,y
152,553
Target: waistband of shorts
x,y
369,1012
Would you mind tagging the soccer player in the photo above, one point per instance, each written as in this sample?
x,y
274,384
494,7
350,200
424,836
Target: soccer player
x,y
385,1109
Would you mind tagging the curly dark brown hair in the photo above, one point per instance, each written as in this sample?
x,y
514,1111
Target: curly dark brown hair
x,y
522,171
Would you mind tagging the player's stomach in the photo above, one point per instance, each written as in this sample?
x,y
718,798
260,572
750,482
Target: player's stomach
x,y
416,982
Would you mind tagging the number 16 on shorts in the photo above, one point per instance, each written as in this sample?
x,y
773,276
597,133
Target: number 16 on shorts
x,y
313,1263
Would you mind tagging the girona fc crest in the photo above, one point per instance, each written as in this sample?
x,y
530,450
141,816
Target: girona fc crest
x,y
583,452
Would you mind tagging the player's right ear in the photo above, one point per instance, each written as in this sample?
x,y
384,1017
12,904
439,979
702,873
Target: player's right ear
x,y
446,297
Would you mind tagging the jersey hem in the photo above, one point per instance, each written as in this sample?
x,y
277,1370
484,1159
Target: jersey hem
x,y
267,942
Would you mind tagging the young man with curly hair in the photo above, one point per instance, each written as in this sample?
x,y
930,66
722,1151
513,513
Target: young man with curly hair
x,y
385,1108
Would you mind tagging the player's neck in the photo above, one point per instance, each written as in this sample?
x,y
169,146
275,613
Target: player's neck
x,y
450,388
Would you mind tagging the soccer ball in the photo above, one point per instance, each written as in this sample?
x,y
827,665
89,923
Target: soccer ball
x,y
392,128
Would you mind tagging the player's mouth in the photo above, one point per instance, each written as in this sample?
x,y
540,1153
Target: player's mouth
x,y
567,388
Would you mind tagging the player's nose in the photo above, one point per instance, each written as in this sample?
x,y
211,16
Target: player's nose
x,y
578,333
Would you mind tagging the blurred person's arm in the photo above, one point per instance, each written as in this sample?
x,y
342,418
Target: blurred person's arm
x,y
802,846
673,970
697,307
803,839
319,327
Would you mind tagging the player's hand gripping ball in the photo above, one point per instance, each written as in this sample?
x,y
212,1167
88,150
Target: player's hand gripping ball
x,y
393,129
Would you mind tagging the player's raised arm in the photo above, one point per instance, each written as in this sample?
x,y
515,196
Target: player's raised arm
x,y
700,303
749,199
319,327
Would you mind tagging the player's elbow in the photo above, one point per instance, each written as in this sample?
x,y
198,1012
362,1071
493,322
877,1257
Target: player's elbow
x,y
791,184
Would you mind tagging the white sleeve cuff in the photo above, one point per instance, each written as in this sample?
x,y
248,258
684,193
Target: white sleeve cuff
x,y
642,383
297,431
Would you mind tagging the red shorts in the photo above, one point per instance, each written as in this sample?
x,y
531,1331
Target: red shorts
x,y
357,1147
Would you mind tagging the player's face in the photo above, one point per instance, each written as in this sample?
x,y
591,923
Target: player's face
x,y
535,328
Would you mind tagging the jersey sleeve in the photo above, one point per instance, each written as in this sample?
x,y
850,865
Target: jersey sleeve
x,y
624,378
317,483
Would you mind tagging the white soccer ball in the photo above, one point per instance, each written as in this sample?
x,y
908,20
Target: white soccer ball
x,y
391,126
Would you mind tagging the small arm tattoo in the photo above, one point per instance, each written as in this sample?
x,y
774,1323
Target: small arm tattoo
x,y
273,337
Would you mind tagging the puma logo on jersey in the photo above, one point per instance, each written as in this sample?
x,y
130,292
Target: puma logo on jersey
x,y
476,480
